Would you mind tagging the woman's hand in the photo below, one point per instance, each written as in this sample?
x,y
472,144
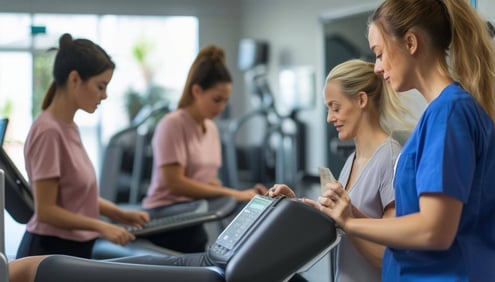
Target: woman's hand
x,y
115,234
243,195
284,190
260,189
248,194
310,202
336,203
133,218
281,190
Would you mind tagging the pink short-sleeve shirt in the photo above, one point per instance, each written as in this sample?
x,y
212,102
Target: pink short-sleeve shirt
x,y
53,149
178,139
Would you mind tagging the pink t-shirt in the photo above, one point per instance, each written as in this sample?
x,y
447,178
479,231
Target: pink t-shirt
x,y
178,139
54,149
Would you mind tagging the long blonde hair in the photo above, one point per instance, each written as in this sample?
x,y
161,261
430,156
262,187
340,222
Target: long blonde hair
x,y
359,76
457,32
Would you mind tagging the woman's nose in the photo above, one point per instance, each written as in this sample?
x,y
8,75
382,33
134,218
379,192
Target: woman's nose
x,y
378,67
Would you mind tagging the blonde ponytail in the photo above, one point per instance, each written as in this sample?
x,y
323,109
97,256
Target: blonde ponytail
x,y
472,54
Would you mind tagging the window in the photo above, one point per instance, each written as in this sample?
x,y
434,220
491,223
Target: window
x,y
149,52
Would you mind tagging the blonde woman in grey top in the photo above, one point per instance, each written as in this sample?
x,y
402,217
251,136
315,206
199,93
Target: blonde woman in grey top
x,y
372,192
363,108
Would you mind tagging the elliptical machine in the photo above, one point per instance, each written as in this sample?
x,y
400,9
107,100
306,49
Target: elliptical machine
x,y
277,158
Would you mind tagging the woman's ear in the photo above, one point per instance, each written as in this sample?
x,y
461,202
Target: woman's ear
x,y
362,99
411,41
73,78
196,90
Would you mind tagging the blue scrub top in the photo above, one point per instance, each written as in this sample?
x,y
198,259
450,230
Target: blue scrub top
x,y
451,151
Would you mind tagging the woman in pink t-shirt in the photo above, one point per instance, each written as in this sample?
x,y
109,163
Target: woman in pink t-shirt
x,y
187,150
63,179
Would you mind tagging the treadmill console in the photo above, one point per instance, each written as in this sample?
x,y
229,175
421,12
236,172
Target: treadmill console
x,y
228,241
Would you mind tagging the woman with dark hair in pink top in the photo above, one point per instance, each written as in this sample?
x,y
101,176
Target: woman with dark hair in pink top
x,y
67,212
187,150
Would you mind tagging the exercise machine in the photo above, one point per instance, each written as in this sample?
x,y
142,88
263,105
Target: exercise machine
x,y
277,159
127,159
271,239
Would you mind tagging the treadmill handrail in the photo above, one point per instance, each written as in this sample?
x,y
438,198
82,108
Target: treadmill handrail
x,y
166,219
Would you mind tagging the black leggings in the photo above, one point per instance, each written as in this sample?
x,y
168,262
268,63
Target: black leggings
x,y
34,244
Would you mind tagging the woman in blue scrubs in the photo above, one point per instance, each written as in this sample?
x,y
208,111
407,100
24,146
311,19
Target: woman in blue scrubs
x,y
445,175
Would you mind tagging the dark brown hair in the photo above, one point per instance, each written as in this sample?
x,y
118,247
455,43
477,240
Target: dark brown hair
x,y
81,55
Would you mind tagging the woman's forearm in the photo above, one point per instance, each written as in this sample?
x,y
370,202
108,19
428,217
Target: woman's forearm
x,y
62,218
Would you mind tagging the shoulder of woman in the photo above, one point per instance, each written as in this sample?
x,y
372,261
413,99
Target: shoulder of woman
x,y
173,119
211,124
389,151
46,125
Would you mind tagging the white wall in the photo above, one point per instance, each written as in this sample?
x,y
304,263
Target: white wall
x,y
295,33
487,9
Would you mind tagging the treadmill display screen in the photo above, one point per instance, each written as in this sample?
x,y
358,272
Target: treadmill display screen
x,y
243,221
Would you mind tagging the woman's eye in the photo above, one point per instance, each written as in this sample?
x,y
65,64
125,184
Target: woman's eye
x,y
333,110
